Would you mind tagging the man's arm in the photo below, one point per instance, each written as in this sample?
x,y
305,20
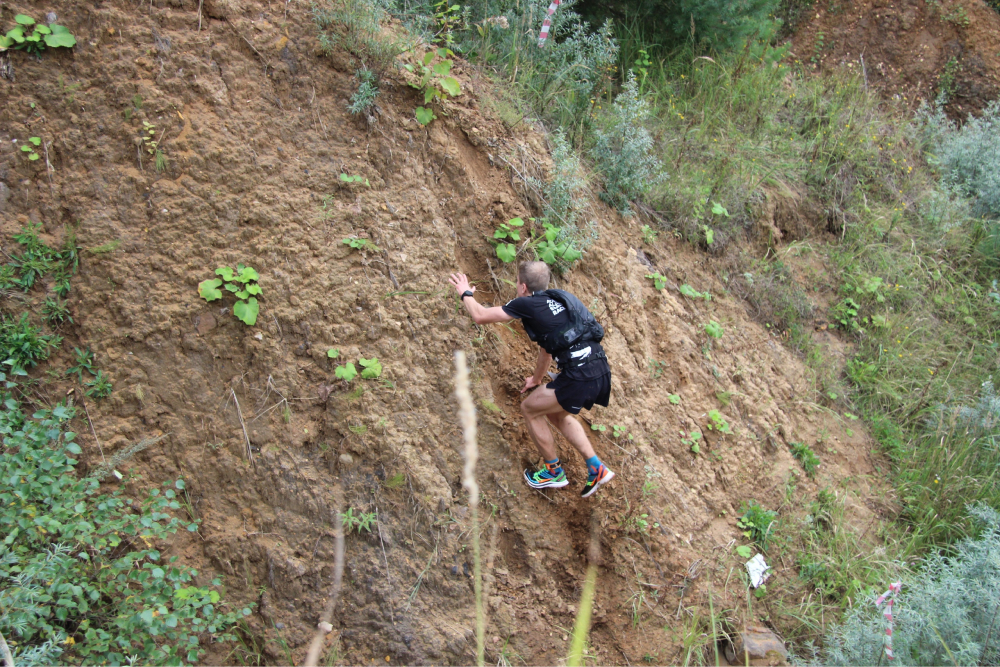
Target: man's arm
x,y
480,314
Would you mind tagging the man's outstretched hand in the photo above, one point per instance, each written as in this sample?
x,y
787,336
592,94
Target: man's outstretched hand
x,y
529,383
460,282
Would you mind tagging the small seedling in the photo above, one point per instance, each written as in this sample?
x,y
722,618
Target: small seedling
x,y
396,481
434,81
716,422
692,293
743,551
25,148
355,179
806,456
424,115
372,368
100,386
674,399
692,440
242,283
756,522
84,362
53,36
508,230
656,368
598,427
649,234
713,329
361,521
347,372
619,431
56,312
659,280
549,250
360,244
333,353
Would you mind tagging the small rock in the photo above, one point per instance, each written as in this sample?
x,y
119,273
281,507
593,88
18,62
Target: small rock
x,y
324,391
346,459
325,627
279,625
762,648
204,323
51,18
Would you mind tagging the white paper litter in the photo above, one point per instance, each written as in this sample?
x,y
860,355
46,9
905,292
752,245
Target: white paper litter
x,y
758,570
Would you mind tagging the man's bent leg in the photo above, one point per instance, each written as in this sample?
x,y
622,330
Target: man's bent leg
x,y
570,427
539,404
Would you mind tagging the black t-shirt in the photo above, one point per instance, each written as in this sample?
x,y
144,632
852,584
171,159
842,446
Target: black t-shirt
x,y
540,314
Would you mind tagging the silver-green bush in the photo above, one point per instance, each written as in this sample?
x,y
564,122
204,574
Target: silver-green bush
x,y
623,151
945,615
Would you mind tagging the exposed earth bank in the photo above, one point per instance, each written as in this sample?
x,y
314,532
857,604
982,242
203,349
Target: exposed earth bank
x,y
252,119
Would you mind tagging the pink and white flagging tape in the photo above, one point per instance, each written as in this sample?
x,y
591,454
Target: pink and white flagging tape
x,y
888,597
547,23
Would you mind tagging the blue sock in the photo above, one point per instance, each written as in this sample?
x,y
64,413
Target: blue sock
x,y
593,465
554,467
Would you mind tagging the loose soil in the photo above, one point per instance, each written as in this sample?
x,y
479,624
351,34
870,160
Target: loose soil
x,y
253,120
904,48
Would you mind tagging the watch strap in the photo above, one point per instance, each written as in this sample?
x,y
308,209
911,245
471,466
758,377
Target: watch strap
x,y
468,292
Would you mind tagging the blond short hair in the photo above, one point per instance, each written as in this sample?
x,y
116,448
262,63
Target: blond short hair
x,y
534,275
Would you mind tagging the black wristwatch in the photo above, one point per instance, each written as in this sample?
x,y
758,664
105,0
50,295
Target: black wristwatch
x,y
466,293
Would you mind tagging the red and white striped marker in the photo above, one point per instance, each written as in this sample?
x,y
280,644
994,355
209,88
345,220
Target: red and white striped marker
x,y
547,23
888,597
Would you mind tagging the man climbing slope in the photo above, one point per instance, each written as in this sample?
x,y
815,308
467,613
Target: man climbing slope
x,y
567,332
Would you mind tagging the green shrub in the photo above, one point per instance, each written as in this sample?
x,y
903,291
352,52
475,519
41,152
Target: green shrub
x,y
623,150
34,37
968,157
364,98
23,345
356,25
564,191
756,522
81,576
943,615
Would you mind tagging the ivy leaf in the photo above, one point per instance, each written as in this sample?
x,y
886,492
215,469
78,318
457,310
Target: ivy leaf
x,y
674,398
35,140
254,289
744,551
43,29
506,252
516,222
372,368
232,287
246,311
572,254
242,294
443,67
247,273
33,157
428,57
451,86
209,289
695,448
333,353
16,34
424,116
226,273
24,19
347,372
548,255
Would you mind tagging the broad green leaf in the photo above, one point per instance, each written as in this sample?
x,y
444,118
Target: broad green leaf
x,y
551,233
743,551
35,140
572,254
429,93
333,353
226,273
674,398
59,29
506,252
498,234
254,289
209,289
242,294
179,484
516,222
719,209
696,448
26,148
428,57
74,448
347,372
6,42
63,39
709,236
451,86
424,116
248,273
246,311
232,287
33,157
548,255
43,29
372,368
16,34
345,178
409,68
24,19
147,616
443,67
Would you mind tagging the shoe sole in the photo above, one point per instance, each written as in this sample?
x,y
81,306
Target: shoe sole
x,y
601,482
546,485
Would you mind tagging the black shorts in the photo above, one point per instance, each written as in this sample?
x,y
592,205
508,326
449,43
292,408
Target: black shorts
x,y
575,394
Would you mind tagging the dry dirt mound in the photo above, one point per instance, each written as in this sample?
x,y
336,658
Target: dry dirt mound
x,y
254,125
912,48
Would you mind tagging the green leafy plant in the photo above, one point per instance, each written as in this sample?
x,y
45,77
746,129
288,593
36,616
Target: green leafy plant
x,y
39,37
333,353
649,235
243,283
84,362
713,329
601,428
55,311
716,422
508,230
845,314
22,345
30,149
550,249
100,386
364,98
692,293
83,581
357,522
675,399
806,456
434,81
346,372
743,551
656,368
619,431
424,115
691,440
372,368
345,178
756,522
364,245
659,281
152,145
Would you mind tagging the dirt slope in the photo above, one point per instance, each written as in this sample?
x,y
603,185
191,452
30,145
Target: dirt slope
x,y
912,48
254,124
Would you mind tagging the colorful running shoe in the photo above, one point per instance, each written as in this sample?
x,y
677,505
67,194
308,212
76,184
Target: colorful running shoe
x,y
543,479
596,481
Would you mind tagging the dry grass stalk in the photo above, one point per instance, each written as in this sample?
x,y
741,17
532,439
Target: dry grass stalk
x,y
325,626
467,415
246,437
